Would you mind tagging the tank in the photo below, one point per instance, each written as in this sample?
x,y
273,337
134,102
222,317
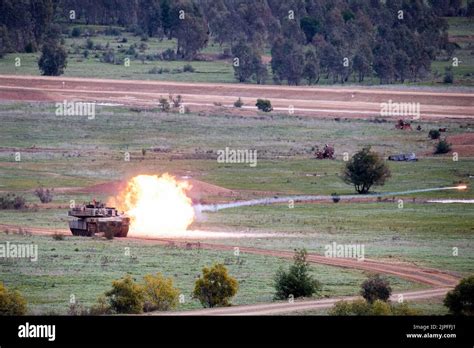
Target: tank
x,y
94,218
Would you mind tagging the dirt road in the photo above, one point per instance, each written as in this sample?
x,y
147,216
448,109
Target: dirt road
x,y
440,281
299,306
354,102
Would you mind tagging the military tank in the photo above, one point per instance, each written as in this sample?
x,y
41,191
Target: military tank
x,y
96,218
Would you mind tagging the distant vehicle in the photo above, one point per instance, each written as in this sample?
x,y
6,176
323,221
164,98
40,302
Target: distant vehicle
x,y
95,218
408,157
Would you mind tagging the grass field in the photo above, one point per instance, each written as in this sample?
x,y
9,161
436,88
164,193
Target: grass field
x,y
68,152
86,268
211,69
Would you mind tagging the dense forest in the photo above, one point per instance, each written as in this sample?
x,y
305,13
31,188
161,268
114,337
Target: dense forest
x,y
393,40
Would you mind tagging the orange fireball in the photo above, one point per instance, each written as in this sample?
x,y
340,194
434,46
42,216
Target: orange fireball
x,y
157,205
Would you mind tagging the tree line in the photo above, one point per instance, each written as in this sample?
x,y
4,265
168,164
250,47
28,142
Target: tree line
x,y
337,40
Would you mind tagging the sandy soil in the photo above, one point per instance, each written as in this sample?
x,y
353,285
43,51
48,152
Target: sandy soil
x,y
360,102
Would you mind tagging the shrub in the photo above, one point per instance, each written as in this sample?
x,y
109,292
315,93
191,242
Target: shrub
x,y
169,54
108,57
77,309
365,169
159,292
89,44
164,104
125,296
188,68
442,147
11,302
58,236
264,105
12,201
111,31
101,307
238,103
296,281
378,307
216,287
434,134
45,195
460,300
76,32
176,101
155,70
375,288
448,76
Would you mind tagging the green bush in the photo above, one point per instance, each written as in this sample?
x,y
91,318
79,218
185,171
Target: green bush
x,y
11,302
264,105
159,292
125,296
376,288
434,134
12,201
76,32
188,68
296,281
442,147
216,287
377,308
460,300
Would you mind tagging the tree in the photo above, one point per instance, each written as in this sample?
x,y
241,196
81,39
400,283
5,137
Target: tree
x,y
364,170
53,59
375,288
287,61
297,281
11,302
189,28
126,296
460,300
310,27
249,62
311,67
159,293
361,65
216,287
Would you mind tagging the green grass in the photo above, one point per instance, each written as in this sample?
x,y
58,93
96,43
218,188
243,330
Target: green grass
x,y
75,153
86,267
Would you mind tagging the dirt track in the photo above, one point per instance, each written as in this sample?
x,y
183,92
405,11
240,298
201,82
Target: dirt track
x,y
357,102
441,282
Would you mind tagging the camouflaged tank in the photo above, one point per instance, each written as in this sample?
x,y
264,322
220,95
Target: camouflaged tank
x,y
97,218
